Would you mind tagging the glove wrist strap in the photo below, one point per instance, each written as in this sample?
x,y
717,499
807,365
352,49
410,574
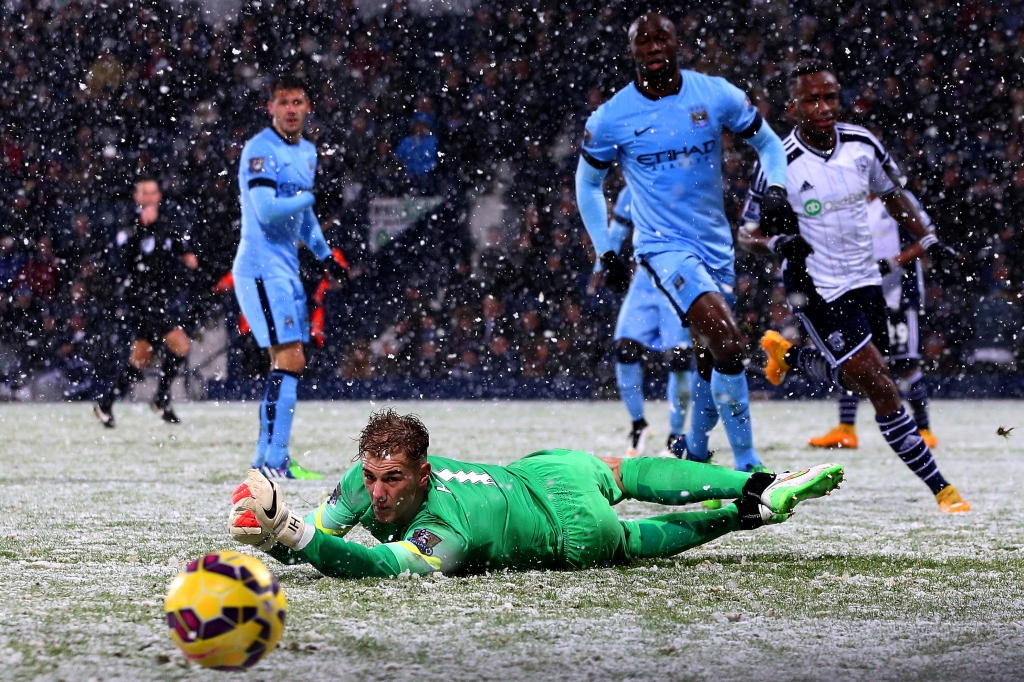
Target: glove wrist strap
x,y
928,240
773,242
294,532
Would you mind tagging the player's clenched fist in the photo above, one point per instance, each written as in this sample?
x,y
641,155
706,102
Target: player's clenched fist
x,y
260,517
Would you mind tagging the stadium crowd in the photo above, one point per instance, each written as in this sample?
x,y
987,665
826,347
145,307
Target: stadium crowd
x,y
455,106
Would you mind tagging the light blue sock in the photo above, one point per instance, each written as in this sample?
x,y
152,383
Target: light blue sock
x,y
703,418
730,394
279,410
678,397
631,388
264,440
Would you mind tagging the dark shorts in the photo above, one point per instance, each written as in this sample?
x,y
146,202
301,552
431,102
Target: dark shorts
x,y
842,327
155,320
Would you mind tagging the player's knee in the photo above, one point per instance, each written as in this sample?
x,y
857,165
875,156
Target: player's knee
x,y
679,359
904,367
178,342
628,352
141,355
729,353
290,357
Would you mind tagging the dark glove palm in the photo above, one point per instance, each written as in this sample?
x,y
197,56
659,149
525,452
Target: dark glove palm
x,y
944,261
777,216
616,274
793,247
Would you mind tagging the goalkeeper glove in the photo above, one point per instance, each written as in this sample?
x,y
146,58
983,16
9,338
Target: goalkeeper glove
x,y
792,247
260,517
616,274
777,216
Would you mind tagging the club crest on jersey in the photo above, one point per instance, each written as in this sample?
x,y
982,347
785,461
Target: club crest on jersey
x,y
289,321
678,282
812,207
424,541
836,341
699,116
587,138
332,501
863,165
256,164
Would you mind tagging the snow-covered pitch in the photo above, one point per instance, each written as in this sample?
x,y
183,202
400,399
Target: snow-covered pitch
x,y
871,583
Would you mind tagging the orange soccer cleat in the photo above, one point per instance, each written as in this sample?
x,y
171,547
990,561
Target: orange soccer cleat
x,y
929,438
950,501
775,346
842,436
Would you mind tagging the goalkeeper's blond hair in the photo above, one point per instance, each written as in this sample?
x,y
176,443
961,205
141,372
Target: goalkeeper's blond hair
x,y
389,435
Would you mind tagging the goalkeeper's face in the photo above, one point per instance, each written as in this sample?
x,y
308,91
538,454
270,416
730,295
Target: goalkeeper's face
x,y
397,486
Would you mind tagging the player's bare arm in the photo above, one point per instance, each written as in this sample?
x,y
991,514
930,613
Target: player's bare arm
x,y
903,210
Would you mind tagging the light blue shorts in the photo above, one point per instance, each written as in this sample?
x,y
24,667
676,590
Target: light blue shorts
x,y
683,277
275,308
649,318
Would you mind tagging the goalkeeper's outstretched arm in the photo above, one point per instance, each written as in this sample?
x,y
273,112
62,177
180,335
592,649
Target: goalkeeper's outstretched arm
x,y
339,558
260,518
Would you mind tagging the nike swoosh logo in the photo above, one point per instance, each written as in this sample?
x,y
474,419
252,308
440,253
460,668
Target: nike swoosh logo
x,y
272,512
638,133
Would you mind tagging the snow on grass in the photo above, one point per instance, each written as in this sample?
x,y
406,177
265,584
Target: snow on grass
x,y
871,583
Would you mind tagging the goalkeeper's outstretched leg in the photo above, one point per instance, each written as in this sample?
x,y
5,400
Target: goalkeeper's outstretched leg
x,y
675,481
758,499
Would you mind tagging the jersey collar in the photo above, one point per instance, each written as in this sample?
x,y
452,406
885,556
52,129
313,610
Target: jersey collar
x,y
824,156
682,78
281,137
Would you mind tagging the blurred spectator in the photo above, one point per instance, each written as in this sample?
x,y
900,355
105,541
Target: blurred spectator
x,y
998,325
418,151
41,273
11,262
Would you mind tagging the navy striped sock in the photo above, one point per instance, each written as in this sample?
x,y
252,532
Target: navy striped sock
x,y
917,396
901,433
848,408
812,363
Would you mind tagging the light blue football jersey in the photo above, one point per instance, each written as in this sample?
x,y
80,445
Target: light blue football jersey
x,y
670,151
272,250
622,222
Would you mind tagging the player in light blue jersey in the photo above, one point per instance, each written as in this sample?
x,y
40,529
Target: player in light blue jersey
x,y
647,320
275,176
665,130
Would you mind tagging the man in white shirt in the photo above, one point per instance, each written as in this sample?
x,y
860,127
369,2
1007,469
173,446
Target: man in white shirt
x,y
898,256
832,278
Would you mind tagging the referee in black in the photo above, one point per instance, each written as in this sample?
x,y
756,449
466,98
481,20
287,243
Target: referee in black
x,y
154,275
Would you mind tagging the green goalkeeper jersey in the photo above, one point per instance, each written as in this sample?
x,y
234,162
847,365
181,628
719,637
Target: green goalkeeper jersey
x,y
475,517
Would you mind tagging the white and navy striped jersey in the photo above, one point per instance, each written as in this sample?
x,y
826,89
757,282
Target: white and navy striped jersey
x,y
829,194
902,288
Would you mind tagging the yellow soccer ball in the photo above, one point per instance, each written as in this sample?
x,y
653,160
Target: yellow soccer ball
x,y
225,611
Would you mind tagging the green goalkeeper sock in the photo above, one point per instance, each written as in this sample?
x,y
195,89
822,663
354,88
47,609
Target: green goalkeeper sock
x,y
678,481
663,536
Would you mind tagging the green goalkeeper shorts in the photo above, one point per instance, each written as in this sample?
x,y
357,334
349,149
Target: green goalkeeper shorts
x,y
581,489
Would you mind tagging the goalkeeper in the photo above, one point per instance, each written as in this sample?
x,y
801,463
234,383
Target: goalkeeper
x,y
549,510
